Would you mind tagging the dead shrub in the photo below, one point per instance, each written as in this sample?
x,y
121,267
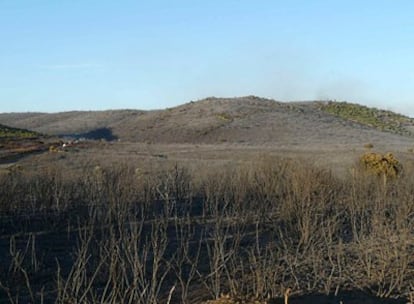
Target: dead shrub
x,y
252,228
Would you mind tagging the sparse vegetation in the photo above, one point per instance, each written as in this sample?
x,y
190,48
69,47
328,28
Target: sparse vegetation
x,y
121,235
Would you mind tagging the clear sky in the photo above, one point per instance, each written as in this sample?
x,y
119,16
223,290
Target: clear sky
x,y
58,55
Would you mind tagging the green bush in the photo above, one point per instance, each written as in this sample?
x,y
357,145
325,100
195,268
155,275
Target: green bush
x,y
14,132
380,119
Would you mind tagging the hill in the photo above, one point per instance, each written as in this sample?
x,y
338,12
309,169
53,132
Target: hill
x,y
246,120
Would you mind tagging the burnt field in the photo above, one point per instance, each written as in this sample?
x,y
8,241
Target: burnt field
x,y
188,234
217,201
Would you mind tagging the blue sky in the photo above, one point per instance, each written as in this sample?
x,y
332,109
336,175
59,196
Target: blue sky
x,y
58,55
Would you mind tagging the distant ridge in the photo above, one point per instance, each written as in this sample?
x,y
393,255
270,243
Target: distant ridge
x,y
246,120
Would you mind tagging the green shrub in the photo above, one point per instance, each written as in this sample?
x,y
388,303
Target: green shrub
x,y
14,132
380,119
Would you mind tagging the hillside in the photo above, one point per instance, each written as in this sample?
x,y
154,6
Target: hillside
x,y
251,120
246,120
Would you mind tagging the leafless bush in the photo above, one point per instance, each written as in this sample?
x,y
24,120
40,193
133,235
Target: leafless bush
x,y
129,236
